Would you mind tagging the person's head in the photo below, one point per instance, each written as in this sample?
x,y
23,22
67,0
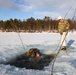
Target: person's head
x,y
60,19
37,54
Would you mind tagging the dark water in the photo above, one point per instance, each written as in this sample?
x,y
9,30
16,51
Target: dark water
x,y
24,61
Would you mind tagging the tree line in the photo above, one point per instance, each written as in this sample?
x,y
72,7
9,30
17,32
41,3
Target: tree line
x,y
33,25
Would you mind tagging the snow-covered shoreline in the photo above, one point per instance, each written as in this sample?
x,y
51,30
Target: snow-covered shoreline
x,y
11,46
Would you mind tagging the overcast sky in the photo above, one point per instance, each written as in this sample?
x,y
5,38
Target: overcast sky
x,y
23,9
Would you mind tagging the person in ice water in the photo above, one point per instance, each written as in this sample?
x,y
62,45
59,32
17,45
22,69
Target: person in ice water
x,y
63,27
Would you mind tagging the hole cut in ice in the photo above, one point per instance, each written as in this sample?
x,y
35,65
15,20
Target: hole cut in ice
x,y
33,59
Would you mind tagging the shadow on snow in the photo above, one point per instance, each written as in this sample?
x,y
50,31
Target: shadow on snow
x,y
70,42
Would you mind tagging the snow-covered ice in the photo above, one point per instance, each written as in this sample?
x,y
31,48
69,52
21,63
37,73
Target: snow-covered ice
x,y
11,46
